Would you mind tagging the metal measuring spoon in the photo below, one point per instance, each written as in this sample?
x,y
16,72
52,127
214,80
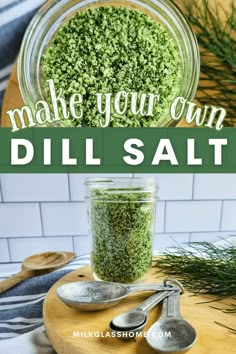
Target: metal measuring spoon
x,y
171,333
99,295
133,321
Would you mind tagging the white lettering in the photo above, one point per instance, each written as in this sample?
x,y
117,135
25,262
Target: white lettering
x,y
29,152
90,159
218,143
139,156
192,159
169,155
66,159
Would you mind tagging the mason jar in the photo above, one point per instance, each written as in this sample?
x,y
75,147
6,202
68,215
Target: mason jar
x,y
53,14
121,214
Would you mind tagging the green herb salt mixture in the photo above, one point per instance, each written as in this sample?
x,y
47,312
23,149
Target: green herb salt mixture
x,y
122,230
110,49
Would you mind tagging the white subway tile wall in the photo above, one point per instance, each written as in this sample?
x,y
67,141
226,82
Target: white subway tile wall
x,y
82,245
0,192
77,186
160,217
209,236
20,248
163,241
20,220
228,215
175,186
217,186
48,212
185,216
4,253
35,187
64,219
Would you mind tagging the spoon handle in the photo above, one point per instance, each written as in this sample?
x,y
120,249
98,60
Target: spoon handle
x,y
14,279
147,287
170,306
153,300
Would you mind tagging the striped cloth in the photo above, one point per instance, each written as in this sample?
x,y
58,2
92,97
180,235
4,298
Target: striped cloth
x,y
15,16
21,312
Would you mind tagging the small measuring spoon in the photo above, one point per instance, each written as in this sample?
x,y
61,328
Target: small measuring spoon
x,y
99,295
132,322
171,333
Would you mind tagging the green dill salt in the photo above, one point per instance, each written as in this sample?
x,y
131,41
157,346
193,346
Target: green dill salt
x,y
121,226
111,49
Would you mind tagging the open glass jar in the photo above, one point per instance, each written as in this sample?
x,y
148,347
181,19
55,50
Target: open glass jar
x,y
121,215
53,14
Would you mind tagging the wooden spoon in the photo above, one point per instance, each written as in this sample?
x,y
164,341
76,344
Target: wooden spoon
x,y
37,264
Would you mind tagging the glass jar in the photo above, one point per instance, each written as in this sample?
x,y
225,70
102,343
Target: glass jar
x,y
121,214
52,15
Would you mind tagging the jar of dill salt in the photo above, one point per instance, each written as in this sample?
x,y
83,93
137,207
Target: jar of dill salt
x,y
121,223
93,46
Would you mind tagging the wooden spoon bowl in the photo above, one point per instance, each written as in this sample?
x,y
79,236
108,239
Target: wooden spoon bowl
x,y
47,260
37,264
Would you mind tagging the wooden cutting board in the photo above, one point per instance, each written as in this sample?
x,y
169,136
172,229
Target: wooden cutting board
x,y
61,322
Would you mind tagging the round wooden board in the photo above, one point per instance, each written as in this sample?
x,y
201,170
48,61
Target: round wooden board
x,y
61,322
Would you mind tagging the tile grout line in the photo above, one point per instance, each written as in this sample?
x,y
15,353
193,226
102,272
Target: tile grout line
x,y
192,232
48,202
1,192
9,250
73,243
83,201
41,218
164,229
193,186
44,237
221,215
69,190
155,233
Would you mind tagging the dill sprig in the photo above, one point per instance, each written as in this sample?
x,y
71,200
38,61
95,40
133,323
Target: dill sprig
x,y
215,29
203,268
231,330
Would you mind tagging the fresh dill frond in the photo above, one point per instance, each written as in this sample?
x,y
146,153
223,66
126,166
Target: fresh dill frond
x,y
203,268
215,29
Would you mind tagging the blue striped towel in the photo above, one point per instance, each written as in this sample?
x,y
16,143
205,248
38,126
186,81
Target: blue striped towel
x,y
21,320
15,16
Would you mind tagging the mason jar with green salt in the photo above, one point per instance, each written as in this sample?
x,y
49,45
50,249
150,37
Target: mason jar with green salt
x,y
95,46
121,224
